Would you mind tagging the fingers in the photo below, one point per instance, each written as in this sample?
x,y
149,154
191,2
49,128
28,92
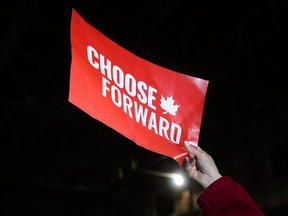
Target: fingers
x,y
190,161
193,162
190,167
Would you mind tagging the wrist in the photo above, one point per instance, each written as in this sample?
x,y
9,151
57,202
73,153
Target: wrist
x,y
211,179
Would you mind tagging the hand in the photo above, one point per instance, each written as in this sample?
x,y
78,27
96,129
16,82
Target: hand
x,y
200,166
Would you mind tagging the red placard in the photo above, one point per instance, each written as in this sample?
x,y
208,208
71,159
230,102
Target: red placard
x,y
153,106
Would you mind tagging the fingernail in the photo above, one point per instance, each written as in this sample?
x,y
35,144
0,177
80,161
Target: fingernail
x,y
187,144
190,143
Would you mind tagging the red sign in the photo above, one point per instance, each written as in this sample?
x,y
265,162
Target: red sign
x,y
153,106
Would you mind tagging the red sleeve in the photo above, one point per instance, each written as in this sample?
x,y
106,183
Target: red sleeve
x,y
226,197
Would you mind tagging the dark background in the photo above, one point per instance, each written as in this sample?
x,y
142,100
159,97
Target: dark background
x,y
57,160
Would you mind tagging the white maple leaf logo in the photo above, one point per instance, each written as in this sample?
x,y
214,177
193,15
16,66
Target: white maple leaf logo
x,y
168,105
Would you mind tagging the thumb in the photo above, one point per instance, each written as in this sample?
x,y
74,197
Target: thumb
x,y
194,149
